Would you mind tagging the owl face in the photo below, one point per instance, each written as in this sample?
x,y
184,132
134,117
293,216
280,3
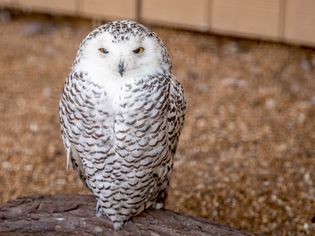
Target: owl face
x,y
123,51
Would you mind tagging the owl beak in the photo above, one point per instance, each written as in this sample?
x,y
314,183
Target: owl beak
x,y
121,68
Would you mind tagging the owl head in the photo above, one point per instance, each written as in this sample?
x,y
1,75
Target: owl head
x,y
122,49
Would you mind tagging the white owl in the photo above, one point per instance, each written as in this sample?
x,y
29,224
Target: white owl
x,y
121,114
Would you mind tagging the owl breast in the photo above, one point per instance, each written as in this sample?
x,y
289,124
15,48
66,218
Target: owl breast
x,y
121,141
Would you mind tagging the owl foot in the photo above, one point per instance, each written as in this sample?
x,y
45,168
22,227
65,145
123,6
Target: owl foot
x,y
158,206
118,225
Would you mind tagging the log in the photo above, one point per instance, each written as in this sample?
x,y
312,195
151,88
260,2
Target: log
x,y
75,215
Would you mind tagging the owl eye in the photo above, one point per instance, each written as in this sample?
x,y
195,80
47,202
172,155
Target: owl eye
x,y
138,50
103,50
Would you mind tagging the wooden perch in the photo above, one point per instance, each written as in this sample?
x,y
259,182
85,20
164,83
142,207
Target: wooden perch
x,y
75,214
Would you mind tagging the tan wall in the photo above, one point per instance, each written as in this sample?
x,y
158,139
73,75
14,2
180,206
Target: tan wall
x,y
5,2
109,9
62,6
254,18
300,22
192,14
281,20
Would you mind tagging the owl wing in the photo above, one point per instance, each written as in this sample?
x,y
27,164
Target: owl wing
x,y
67,110
176,113
75,114
175,121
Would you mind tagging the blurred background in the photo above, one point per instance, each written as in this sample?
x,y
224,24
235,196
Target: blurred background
x,y
246,156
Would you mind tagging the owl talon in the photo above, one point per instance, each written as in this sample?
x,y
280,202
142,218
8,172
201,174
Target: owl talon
x,y
118,225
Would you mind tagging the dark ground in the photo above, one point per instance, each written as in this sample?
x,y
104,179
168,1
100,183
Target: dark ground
x,y
247,153
72,214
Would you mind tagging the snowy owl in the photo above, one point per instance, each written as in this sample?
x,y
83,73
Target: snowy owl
x,y
121,114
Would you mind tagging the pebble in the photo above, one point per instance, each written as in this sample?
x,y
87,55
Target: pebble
x,y
231,81
305,64
231,47
46,92
270,103
33,127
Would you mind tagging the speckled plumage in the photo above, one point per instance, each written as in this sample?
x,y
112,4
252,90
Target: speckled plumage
x,y
120,130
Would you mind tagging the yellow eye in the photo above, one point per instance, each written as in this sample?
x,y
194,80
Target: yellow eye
x,y
139,50
103,50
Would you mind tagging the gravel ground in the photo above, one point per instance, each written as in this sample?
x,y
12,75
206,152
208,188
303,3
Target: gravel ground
x,y
247,153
